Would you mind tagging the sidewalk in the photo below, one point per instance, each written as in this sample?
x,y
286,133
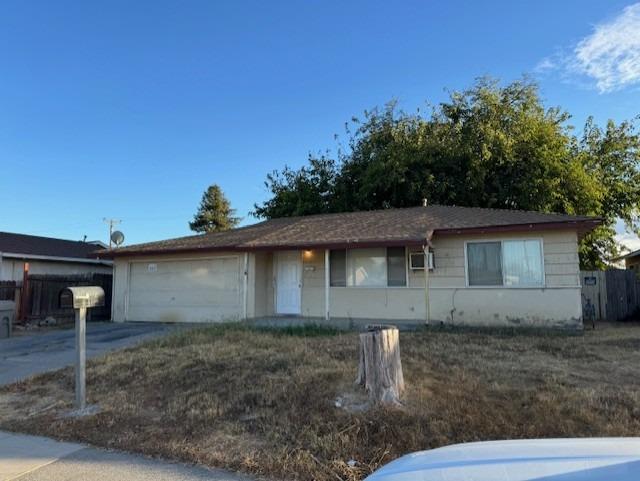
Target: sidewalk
x,y
33,458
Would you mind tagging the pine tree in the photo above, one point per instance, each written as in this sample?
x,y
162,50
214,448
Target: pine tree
x,y
215,213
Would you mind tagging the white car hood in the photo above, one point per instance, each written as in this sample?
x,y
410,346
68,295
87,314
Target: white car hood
x,y
585,459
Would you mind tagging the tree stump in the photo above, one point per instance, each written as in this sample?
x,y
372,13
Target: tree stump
x,y
380,369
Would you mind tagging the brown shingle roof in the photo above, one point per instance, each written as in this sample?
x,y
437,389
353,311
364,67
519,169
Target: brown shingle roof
x,y
377,227
45,246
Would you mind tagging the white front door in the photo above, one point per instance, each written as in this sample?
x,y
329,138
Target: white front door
x,y
288,282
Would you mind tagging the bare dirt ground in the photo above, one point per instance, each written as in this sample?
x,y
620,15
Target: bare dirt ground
x,y
264,402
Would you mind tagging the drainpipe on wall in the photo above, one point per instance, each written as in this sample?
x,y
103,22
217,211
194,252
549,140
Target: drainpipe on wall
x,y
427,300
245,285
113,291
327,287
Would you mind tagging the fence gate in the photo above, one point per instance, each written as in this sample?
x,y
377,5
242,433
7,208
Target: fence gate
x,y
7,290
44,295
611,295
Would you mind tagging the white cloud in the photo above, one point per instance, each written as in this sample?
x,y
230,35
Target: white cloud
x,y
545,65
628,241
609,57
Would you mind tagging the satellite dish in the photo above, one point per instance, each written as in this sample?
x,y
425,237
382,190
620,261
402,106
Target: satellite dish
x,y
117,237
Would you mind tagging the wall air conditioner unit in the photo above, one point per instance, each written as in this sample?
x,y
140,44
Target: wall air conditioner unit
x,y
416,261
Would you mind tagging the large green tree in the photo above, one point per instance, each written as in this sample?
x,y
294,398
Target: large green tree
x,y
214,213
487,146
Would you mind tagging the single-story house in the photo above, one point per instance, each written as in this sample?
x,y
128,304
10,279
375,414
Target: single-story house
x,y
47,255
632,261
484,267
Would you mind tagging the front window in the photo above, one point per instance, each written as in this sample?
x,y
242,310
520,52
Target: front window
x,y
338,268
375,267
523,264
396,267
484,263
513,263
367,268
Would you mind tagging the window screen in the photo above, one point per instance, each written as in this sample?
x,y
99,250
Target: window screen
x,y
522,260
367,267
396,267
484,263
338,268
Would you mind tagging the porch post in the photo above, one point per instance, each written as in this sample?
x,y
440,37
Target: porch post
x,y
245,285
326,284
427,301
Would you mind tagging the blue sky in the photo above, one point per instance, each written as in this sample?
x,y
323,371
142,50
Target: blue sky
x,y
131,109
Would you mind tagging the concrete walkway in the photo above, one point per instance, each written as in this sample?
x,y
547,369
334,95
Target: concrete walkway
x,y
33,353
32,458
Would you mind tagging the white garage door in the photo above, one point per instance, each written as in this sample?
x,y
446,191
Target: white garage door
x,y
204,290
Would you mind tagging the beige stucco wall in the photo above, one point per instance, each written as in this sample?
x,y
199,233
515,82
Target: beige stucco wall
x,y
557,303
313,283
633,263
12,269
263,284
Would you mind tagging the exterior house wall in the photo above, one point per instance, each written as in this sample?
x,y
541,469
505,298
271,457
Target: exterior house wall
x,y
558,303
633,263
263,283
12,269
120,290
313,283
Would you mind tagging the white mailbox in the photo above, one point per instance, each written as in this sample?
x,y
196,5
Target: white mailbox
x,y
82,296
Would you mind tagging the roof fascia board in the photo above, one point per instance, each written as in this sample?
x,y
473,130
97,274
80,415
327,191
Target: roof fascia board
x,y
80,260
565,225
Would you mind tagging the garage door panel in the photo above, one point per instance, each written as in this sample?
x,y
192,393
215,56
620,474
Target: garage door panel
x,y
195,298
190,291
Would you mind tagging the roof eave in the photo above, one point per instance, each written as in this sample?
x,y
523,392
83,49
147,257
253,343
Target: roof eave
x,y
267,247
41,257
582,226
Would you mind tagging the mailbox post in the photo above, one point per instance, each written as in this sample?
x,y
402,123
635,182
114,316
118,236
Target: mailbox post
x,y
80,299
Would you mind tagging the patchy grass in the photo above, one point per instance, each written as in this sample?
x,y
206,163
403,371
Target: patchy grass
x,y
262,401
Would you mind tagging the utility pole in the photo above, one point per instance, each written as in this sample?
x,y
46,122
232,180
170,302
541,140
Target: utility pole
x,y
112,223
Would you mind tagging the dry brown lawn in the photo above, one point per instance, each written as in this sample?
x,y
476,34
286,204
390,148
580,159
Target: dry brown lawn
x,y
263,402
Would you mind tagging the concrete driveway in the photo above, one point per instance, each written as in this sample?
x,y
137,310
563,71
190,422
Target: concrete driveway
x,y
28,354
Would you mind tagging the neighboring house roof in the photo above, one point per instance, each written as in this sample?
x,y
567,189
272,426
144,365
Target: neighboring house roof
x,y
98,243
407,226
628,255
35,247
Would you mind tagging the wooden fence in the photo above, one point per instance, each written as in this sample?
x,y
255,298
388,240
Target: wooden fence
x,y
611,295
7,290
44,296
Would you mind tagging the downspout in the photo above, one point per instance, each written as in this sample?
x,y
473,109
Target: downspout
x,y
113,290
427,300
245,285
327,284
